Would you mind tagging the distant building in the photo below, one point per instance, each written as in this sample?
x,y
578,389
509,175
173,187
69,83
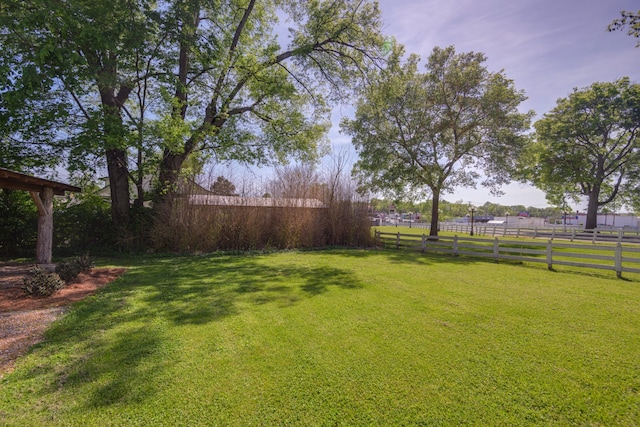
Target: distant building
x,y
604,220
260,202
185,186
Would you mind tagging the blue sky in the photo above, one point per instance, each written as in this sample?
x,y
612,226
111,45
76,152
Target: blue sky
x,y
548,47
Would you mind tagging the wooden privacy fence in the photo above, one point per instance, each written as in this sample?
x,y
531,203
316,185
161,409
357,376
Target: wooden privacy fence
x,y
615,257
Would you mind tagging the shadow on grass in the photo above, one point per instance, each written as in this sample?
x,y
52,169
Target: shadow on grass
x,y
193,291
410,256
418,258
113,347
434,258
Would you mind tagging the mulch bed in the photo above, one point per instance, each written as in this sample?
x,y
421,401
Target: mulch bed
x,y
23,319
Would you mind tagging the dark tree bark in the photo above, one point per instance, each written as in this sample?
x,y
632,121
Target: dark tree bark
x,y
119,185
435,212
117,165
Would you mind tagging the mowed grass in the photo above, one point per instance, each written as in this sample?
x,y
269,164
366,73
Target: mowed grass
x,y
337,338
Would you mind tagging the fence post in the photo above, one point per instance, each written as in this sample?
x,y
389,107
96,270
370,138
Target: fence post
x,y
618,258
620,235
495,249
573,233
424,242
377,236
518,233
595,235
553,233
455,245
549,255
398,240
535,231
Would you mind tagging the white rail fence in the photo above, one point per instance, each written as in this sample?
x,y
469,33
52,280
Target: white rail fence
x,y
550,232
616,257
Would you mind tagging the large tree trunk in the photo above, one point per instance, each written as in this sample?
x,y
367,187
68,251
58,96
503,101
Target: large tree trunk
x,y
170,169
171,164
116,154
119,185
44,203
435,213
592,208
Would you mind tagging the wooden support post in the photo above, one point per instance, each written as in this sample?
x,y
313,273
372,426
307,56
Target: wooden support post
x,y
549,255
618,260
398,241
496,251
44,203
424,242
455,245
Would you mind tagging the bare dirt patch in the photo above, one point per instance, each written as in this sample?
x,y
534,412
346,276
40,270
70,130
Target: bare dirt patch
x,y
23,319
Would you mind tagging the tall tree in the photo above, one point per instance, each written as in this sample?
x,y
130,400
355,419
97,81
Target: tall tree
x,y
211,74
588,145
71,67
239,95
437,129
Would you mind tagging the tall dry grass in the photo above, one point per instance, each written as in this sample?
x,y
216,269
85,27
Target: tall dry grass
x,y
302,209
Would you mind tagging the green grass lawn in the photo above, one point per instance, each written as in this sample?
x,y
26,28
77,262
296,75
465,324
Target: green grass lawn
x,y
337,338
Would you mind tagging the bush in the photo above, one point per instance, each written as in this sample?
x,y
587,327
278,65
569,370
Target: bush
x,y
82,223
39,283
18,224
69,268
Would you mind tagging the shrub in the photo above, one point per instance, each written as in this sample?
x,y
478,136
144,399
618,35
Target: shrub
x,y
18,223
69,268
39,283
82,223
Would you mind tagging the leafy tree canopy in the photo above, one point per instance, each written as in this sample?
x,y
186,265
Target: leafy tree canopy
x,y
629,20
437,129
129,83
588,146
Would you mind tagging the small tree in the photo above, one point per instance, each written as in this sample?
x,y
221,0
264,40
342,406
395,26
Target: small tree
x,y
437,129
223,187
